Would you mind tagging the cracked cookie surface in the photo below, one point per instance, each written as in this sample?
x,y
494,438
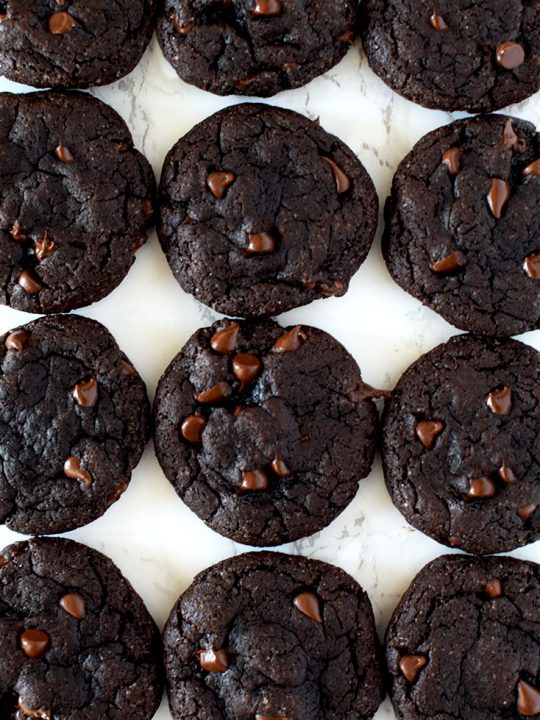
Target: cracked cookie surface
x,y
254,47
76,641
463,224
72,43
264,432
455,54
74,419
461,444
464,641
75,199
261,211
266,635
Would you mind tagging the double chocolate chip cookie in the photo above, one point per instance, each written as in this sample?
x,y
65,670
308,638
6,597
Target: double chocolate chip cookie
x,y
261,210
464,641
266,636
455,54
75,199
461,444
463,224
264,432
72,43
76,641
74,419
254,47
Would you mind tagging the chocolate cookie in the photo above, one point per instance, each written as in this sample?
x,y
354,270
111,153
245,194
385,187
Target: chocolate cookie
x,y
254,47
76,641
261,211
455,54
463,224
464,641
264,636
264,432
461,444
72,43
75,198
74,420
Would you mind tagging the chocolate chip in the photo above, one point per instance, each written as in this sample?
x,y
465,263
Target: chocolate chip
x,y
260,243
452,160
86,393
246,367
267,7
141,240
507,475
493,589
218,183
17,340
454,541
29,283
25,712
526,512
482,487
427,431
73,470
531,265
61,23
214,660
17,233
44,248
280,468
117,492
34,642
309,605
192,428
528,701
500,401
347,37
291,340
181,29
224,341
498,196
147,208
127,369
511,139
532,170
510,55
410,666
438,23
254,480
215,394
288,66
343,181
74,605
332,289
364,391
451,263
63,154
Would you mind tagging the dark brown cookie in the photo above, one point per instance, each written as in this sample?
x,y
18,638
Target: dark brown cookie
x,y
75,199
463,224
264,432
464,641
74,420
254,47
266,636
461,444
455,54
76,641
261,210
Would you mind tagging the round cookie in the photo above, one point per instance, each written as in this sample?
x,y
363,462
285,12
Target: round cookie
x,y
464,641
254,47
461,444
76,641
261,210
72,43
455,54
463,224
264,432
74,420
265,636
75,199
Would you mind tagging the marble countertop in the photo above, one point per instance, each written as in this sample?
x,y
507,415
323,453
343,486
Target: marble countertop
x,y
156,541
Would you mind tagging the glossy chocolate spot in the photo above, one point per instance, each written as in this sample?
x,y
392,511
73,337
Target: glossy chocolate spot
x,y
29,283
291,340
332,289
347,37
500,401
246,367
451,263
127,369
61,23
454,541
86,393
218,183
181,29
44,248
427,431
17,234
17,340
118,492
139,242
482,487
411,665
192,428
438,23
528,700
260,243
73,470
214,660
309,605
280,468
526,512
510,55
511,139
25,712
498,197
343,181
531,265
147,208
254,480
74,605
267,7
493,589
224,341
64,154
215,394
507,475
452,160
34,642
532,170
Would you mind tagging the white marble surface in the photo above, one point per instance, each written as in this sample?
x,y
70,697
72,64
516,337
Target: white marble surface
x,y
157,542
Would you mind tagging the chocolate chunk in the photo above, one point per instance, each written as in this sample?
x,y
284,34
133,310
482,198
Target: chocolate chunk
x,y
215,394
507,475
532,170
531,265
61,23
26,712
192,428
73,470
500,401
34,642
280,468
309,605
218,183
526,511
260,243
64,154
511,139
483,487
181,29
224,341
127,369
214,660
438,23
267,7
29,283
254,480
290,341
451,263
74,605
246,367
44,248
510,55
411,665
528,702
343,181
17,233
498,196
17,340
452,160
428,431
493,589
86,393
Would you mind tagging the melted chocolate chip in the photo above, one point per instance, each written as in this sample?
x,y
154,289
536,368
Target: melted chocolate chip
x,y
214,660
141,240
147,208
29,283
192,428
74,605
452,160
309,605
498,196
454,541
347,37
44,248
17,340
493,589
61,23
218,183
215,394
510,55
34,642
500,401
64,154
438,23
86,393
483,487
25,712
507,475
428,431
224,341
511,139
17,233
291,340
254,480
532,170
332,289
118,492
531,265
280,468
410,666
128,369
181,29
343,181
451,263
246,367
528,700
267,7
260,243
526,512
73,470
